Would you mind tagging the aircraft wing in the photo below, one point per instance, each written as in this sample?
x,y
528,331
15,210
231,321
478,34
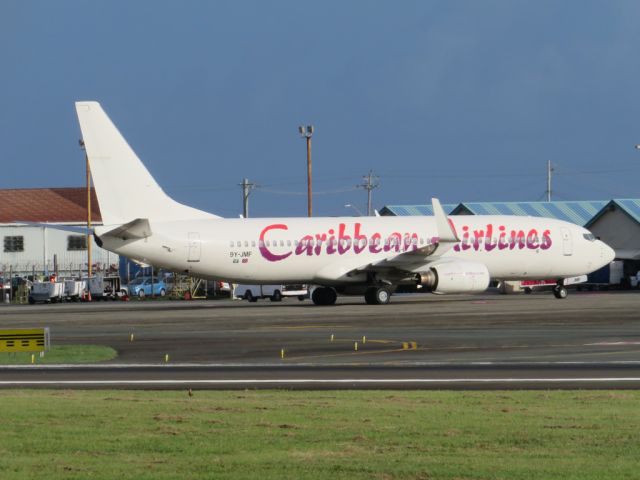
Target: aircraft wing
x,y
445,239
412,261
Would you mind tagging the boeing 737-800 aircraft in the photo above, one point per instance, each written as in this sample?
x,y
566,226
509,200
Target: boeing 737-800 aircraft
x,y
350,255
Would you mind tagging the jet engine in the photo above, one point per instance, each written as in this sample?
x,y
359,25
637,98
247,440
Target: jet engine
x,y
455,277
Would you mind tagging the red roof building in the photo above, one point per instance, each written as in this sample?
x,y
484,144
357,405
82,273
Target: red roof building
x,y
51,205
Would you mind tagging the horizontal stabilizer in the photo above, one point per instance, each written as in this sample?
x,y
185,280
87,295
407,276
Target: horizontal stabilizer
x,y
138,228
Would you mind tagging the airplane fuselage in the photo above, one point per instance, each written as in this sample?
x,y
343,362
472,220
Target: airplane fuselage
x,y
324,250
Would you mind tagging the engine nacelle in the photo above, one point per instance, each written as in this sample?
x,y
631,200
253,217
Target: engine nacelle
x,y
455,277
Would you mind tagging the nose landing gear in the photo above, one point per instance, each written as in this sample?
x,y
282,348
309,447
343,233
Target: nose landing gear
x,y
560,291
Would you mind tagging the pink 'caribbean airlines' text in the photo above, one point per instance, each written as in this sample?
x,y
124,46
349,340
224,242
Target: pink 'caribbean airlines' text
x,y
343,242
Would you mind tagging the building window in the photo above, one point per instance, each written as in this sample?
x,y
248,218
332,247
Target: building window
x,y
14,244
76,242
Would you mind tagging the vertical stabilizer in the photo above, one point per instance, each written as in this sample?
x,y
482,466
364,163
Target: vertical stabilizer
x,y
125,188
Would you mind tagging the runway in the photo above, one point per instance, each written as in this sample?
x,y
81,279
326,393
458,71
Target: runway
x,y
590,340
413,376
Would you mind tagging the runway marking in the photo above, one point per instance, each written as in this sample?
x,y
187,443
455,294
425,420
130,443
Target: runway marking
x,y
611,343
400,363
310,381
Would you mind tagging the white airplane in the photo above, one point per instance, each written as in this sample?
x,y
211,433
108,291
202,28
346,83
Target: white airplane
x,y
346,255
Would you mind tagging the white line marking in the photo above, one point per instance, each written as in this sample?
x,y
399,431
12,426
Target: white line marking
x,y
302,381
107,366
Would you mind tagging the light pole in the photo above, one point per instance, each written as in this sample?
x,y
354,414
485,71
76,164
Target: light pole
x,y
307,132
349,205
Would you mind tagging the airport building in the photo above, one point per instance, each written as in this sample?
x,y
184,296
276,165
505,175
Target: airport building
x,y
616,222
39,249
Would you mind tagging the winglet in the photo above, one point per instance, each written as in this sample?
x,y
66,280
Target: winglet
x,y
446,232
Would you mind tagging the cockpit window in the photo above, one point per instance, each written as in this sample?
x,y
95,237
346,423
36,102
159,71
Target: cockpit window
x,y
589,236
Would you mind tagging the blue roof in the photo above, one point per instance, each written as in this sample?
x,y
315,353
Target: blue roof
x,y
578,212
405,210
631,206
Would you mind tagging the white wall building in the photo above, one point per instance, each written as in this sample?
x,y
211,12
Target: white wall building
x,y
27,249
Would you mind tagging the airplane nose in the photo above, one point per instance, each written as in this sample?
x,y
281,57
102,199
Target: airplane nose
x,y
606,253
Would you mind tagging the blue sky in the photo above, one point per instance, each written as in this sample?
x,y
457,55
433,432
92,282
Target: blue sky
x,y
463,100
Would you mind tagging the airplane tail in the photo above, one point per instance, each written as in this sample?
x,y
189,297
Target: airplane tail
x,y
125,189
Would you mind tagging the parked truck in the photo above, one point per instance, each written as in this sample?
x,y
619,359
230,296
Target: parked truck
x,y
274,292
253,292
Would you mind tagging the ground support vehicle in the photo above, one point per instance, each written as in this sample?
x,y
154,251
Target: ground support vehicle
x,y
73,289
253,292
103,288
46,292
300,291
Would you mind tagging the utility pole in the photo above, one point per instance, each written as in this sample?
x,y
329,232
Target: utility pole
x,y
246,190
307,133
549,171
370,182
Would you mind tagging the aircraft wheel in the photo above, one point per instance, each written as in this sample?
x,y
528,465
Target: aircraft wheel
x,y
377,296
163,292
383,296
249,297
370,296
141,293
560,292
324,296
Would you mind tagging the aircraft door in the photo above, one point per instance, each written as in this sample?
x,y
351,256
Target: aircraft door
x,y
193,247
567,243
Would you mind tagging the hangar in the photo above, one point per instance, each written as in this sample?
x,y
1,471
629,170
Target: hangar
x,y
29,249
618,224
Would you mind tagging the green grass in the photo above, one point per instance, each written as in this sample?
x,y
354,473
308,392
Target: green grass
x,y
316,435
62,354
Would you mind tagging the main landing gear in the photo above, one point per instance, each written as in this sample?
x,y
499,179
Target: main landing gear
x,y
372,295
377,295
324,296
